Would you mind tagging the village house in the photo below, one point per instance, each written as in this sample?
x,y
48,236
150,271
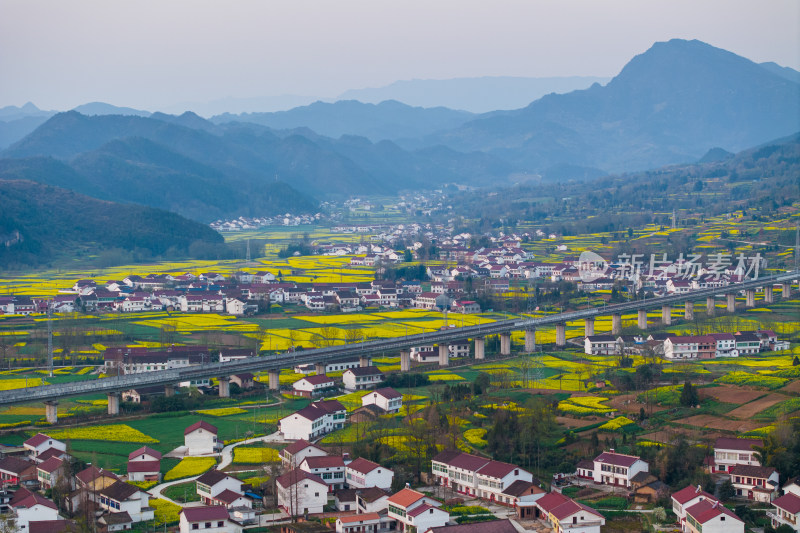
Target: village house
x,y
114,522
217,488
214,519
601,345
144,464
29,507
617,469
360,523
301,492
314,420
14,470
329,468
200,438
362,473
415,512
477,476
372,500
685,498
39,444
293,454
50,472
731,451
121,497
388,399
565,514
490,526
313,386
710,516
747,343
787,507
757,483
361,378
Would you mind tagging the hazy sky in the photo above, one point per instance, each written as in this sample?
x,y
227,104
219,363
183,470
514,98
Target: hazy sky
x,y
154,54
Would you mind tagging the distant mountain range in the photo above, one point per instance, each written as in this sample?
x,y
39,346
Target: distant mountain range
x,y
671,104
476,95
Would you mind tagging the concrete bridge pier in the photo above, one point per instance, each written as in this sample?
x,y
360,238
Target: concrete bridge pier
x,y
530,340
786,290
711,306
769,296
688,310
274,379
505,344
364,361
444,355
169,390
642,319
405,360
731,302
113,403
319,368
750,298
666,315
51,411
561,334
588,327
480,348
616,324
224,387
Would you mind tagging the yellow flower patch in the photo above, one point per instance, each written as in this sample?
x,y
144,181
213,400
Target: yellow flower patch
x,y
616,424
244,455
476,437
190,466
223,411
165,512
110,433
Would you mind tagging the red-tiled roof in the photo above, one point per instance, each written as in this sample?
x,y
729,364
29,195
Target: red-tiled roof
x,y
144,450
689,493
418,510
752,471
388,393
492,526
295,476
732,443
299,446
32,499
788,502
324,461
468,461
616,459
550,501
497,469
365,371
228,496
14,465
405,497
202,514
708,510
319,379
51,465
37,439
212,477
365,466
359,518
200,425
144,466
50,452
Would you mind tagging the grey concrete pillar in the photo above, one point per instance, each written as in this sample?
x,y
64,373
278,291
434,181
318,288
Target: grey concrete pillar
x,y
319,368
51,411
169,390
505,344
364,361
786,290
480,348
688,310
561,334
750,298
769,296
731,302
274,379
405,360
444,355
588,327
113,403
530,340
616,324
666,315
642,319
225,387
711,306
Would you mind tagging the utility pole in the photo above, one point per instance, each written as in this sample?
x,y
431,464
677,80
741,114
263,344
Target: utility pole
x,y
674,219
50,337
797,247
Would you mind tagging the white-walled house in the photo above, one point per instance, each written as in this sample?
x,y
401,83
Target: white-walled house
x,y
200,438
617,469
758,483
732,451
312,386
330,468
566,515
414,511
787,507
31,507
213,519
685,498
601,345
301,492
710,516
293,454
362,473
218,488
313,420
386,398
363,377
477,476
359,523
121,497
144,464
372,500
40,443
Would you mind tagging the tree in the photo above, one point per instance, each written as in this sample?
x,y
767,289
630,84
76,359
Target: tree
x,y
689,395
726,490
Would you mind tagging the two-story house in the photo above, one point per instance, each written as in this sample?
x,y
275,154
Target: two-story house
x,y
217,488
710,516
301,492
477,476
121,497
362,473
612,468
213,519
566,515
685,498
731,451
50,472
314,420
601,345
758,483
144,464
330,468
386,398
414,511
312,386
200,438
293,454
363,377
787,507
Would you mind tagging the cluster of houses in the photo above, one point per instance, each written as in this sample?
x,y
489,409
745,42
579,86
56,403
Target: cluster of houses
x,y
246,223
685,347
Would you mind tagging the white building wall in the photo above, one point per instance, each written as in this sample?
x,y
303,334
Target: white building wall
x,y
200,442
